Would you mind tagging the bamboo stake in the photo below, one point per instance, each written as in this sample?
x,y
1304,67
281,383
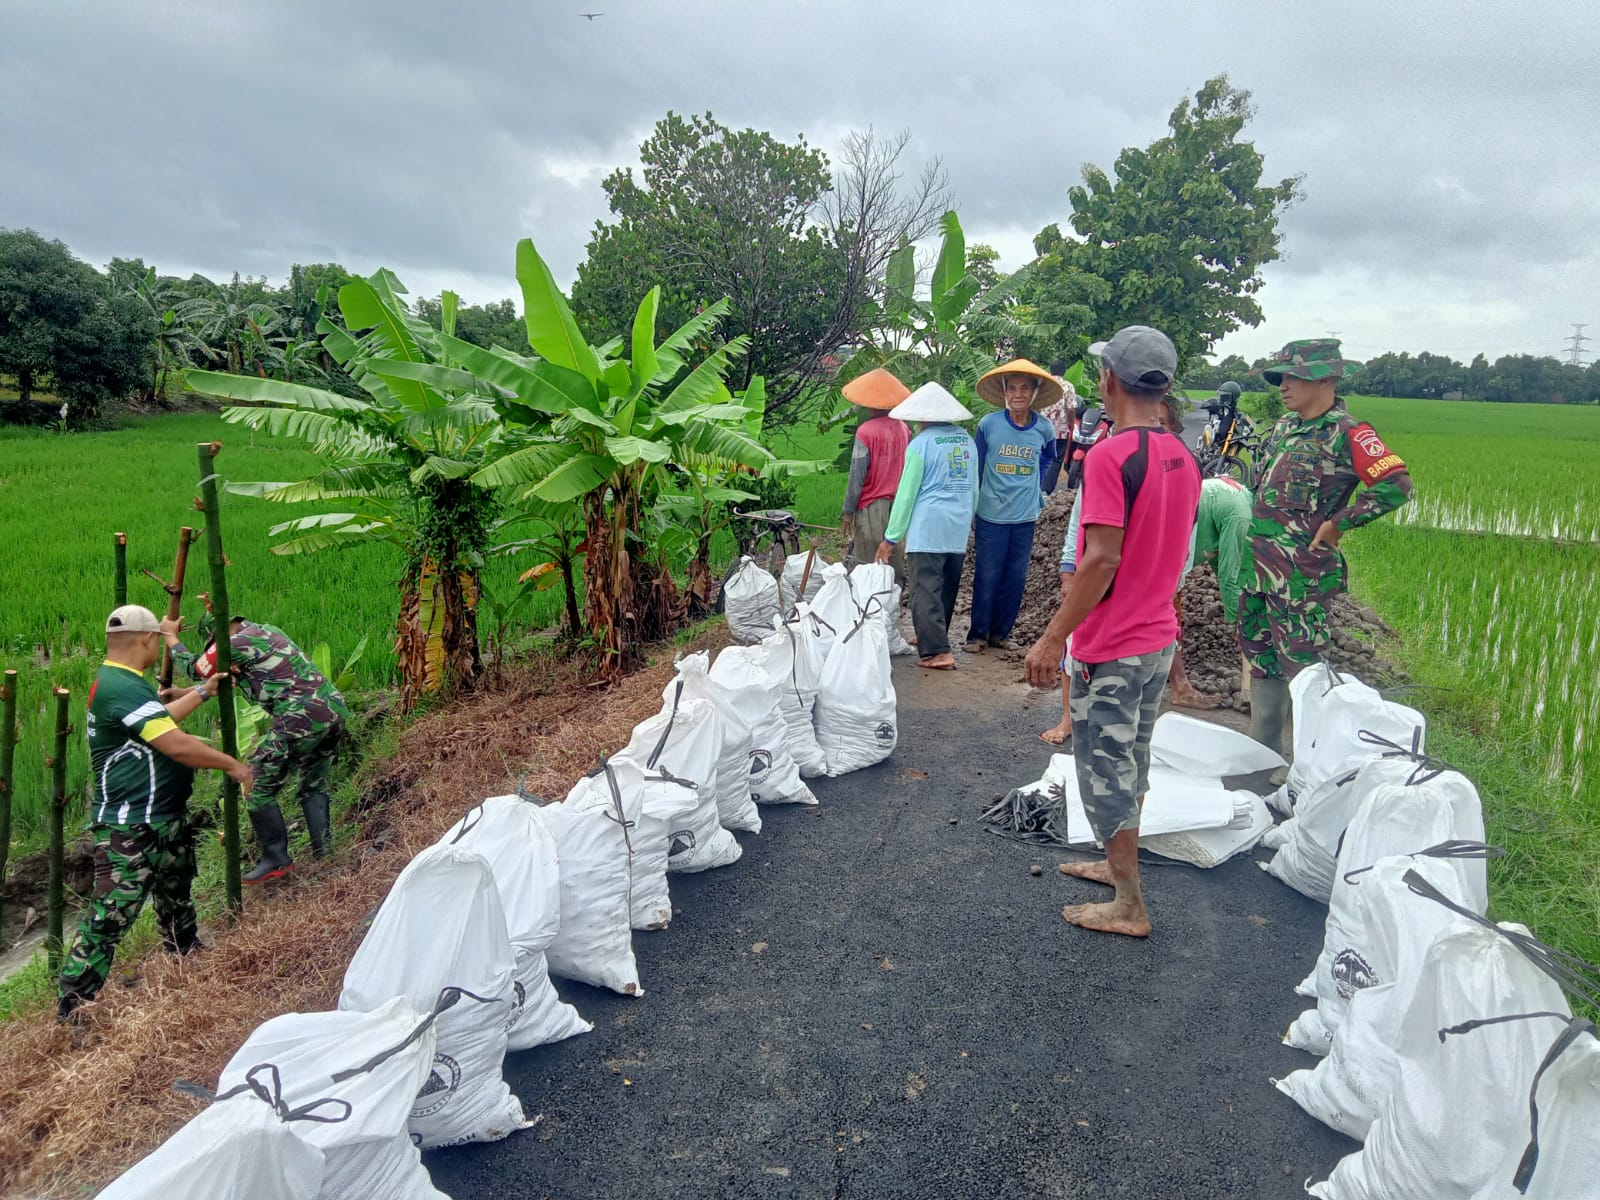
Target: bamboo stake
x,y
56,896
180,565
8,748
119,584
222,613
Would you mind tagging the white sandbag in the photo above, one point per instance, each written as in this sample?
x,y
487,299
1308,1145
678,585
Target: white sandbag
x,y
835,607
683,742
1459,1098
510,833
1331,710
856,704
1208,848
1346,1089
1308,841
798,696
240,1148
1194,747
794,569
755,676
1406,808
1561,1160
750,600
378,1063
441,926
594,828
735,808
875,580
1176,802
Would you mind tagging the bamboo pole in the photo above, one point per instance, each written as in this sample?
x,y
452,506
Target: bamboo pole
x,y
222,613
56,896
8,748
180,565
119,584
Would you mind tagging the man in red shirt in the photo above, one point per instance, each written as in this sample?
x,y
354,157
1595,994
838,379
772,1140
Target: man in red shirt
x,y
877,457
1141,489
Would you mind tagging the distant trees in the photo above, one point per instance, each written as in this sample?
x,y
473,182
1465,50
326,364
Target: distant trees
x,y
1510,379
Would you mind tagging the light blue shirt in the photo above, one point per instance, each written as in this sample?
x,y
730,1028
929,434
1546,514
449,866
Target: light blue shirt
x,y
1011,463
932,510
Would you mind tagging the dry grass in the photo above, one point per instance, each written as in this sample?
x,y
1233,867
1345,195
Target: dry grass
x,y
76,1111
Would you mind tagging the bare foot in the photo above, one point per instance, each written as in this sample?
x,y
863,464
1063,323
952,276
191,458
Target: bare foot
x,y
1057,735
1188,697
1100,871
1129,920
939,662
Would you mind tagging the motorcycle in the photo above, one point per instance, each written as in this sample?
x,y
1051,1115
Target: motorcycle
x,y
1227,443
1092,426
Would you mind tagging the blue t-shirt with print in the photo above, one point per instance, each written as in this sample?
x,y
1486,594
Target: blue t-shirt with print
x,y
1011,463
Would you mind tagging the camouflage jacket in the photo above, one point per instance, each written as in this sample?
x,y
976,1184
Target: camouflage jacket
x,y
1308,472
277,675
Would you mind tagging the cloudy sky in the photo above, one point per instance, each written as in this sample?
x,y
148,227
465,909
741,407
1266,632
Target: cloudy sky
x,y
1452,184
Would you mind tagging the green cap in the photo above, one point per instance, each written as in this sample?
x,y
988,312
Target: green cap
x,y
1308,358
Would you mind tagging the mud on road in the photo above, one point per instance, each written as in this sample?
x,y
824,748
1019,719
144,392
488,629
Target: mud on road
x,y
879,1000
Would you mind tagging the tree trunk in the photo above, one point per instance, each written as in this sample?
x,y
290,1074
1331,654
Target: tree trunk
x,y
700,591
569,585
626,603
437,642
25,384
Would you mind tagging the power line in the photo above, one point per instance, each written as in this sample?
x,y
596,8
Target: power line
x,y
1575,350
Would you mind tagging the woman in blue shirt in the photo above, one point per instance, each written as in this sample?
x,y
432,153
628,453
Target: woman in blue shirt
x,y
1015,448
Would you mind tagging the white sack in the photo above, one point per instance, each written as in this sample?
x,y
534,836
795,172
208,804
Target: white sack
x,y
594,829
510,833
799,695
1195,747
735,808
237,1149
371,1062
856,706
754,677
1330,711
1346,1089
750,600
875,580
835,607
1567,1163
1459,1102
794,567
441,926
1406,808
684,741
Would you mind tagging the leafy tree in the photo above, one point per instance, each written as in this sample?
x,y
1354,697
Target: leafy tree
x,y
1175,237
799,256
173,343
494,324
236,322
61,326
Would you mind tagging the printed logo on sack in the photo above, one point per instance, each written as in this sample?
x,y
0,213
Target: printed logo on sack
x,y
516,1004
760,762
681,841
884,732
1352,973
442,1083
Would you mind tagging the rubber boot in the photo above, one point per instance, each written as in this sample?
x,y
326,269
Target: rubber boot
x,y
315,806
1269,712
273,835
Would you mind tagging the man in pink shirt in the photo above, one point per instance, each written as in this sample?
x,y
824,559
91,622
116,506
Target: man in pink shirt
x,y
877,456
1141,489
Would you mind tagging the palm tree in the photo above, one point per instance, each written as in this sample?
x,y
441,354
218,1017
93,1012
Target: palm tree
x,y
235,324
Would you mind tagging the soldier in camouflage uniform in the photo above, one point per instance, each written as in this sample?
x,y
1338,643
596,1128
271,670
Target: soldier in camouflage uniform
x,y
143,771
308,725
1307,477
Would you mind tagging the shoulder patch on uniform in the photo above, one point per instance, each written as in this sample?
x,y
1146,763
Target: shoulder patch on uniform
x,y
1372,459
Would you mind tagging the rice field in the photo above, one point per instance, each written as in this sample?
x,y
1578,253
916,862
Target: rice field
x,y
62,498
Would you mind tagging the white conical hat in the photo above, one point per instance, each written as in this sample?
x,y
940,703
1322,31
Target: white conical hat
x,y
930,402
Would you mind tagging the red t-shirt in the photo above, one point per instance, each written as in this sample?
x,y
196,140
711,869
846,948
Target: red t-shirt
x,y
1136,616
886,440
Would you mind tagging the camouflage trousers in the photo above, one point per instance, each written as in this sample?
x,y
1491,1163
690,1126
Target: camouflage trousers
x,y
132,863
1114,706
1281,636
287,748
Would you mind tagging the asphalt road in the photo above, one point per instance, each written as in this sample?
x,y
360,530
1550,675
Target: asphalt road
x,y
879,1000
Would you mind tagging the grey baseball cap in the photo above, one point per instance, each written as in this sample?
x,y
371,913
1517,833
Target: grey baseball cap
x,y
132,618
1141,357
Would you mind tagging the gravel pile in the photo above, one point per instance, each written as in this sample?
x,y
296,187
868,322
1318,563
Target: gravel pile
x,y
1210,649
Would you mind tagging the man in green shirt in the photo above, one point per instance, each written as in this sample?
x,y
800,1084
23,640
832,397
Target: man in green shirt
x,y
142,772
1222,540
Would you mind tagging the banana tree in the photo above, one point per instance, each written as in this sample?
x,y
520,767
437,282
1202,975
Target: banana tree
x,y
611,428
400,458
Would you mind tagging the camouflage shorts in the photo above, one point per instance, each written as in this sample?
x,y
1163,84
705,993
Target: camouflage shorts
x,y
285,750
1281,636
1113,706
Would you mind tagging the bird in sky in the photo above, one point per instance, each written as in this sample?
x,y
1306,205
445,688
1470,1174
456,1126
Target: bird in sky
x,y
591,16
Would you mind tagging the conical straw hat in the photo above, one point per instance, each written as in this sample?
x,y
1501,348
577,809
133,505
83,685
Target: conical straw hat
x,y
877,389
930,402
991,385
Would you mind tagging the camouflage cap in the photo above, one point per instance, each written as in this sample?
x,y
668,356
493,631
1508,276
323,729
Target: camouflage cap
x,y
1308,358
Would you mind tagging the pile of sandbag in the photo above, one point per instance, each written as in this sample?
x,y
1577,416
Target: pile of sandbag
x,y
750,600
798,696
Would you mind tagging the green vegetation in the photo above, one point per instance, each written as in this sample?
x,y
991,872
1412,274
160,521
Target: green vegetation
x,y
1497,626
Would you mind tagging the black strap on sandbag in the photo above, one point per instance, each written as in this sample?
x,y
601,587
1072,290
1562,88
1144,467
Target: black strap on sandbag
x,y
677,695
1578,977
1451,848
1334,678
1575,1028
256,1084
468,822
448,998
663,775
866,612
1429,767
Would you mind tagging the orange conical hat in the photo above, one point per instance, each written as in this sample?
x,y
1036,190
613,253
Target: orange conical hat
x,y
877,389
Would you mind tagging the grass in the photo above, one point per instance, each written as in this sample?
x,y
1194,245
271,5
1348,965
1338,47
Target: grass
x,y
62,497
